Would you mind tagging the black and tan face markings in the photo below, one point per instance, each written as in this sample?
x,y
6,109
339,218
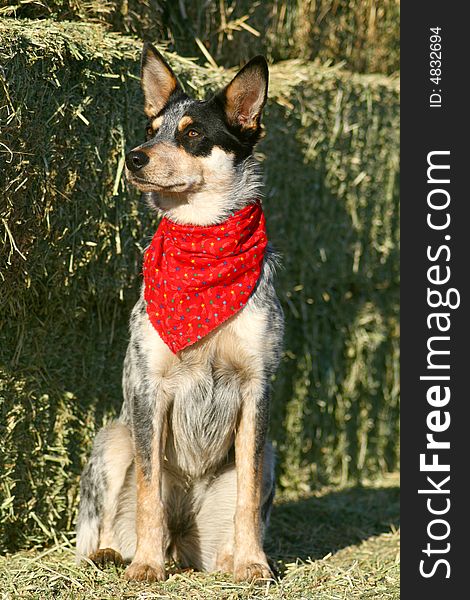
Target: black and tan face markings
x,y
198,126
195,127
229,120
152,127
203,127
185,122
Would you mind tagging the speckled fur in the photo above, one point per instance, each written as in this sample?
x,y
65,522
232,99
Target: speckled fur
x,y
194,402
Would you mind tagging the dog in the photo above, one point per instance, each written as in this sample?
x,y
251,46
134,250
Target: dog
x,y
186,472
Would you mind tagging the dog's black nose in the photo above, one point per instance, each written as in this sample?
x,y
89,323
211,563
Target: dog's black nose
x,y
136,159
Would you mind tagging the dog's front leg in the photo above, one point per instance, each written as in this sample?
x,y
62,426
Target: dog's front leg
x,y
250,561
152,533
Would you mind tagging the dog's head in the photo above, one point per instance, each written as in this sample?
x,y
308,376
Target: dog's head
x,y
195,165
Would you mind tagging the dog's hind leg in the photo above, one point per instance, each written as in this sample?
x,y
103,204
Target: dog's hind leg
x,y
100,488
208,543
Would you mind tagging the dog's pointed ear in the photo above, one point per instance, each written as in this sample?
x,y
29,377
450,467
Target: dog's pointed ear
x,y
245,96
158,80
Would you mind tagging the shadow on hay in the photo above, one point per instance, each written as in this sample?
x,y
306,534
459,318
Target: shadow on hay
x,y
335,405
313,527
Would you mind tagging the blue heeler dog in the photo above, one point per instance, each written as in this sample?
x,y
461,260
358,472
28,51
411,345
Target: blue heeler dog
x,y
186,471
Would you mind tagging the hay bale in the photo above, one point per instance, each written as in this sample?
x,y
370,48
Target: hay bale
x,y
363,33
71,240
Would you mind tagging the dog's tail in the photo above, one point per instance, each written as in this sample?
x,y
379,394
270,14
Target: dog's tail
x,y
101,486
88,521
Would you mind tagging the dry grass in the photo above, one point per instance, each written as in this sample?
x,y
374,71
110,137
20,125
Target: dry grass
x,y
364,34
339,544
71,239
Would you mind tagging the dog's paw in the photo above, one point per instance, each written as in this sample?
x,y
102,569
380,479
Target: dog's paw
x,y
224,563
250,571
144,572
105,556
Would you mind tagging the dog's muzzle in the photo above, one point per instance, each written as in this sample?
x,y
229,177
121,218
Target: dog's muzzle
x,y
136,159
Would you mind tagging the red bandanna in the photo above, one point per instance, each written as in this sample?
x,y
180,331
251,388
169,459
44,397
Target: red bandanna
x,y
197,277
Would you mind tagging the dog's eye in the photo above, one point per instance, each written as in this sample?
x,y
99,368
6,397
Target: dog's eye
x,y
149,131
192,133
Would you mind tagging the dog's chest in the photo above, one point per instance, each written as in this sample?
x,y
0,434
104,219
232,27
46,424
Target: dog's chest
x,y
204,387
202,419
